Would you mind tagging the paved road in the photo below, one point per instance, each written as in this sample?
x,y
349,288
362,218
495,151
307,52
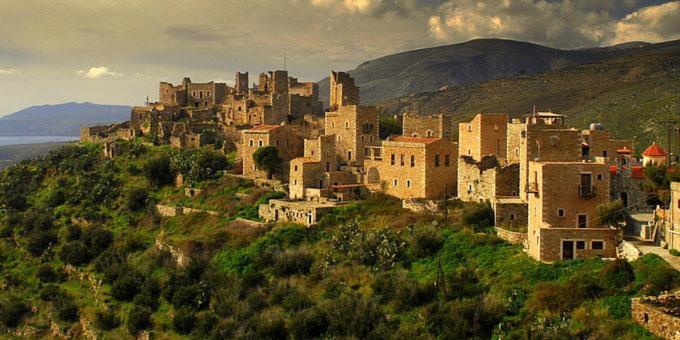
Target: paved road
x,y
650,248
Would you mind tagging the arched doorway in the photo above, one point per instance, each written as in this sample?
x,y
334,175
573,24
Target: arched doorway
x,y
624,198
373,176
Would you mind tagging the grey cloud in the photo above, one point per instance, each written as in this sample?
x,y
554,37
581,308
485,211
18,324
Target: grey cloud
x,y
194,33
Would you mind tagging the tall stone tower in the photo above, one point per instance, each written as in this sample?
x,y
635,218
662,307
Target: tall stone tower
x,y
241,83
343,90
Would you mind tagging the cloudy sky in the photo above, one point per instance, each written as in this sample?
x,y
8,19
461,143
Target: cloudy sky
x,y
107,51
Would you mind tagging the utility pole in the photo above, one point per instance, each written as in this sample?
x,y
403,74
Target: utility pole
x,y
670,127
441,282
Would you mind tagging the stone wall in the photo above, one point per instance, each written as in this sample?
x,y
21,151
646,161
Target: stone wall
x,y
510,212
485,134
422,206
512,237
658,314
416,125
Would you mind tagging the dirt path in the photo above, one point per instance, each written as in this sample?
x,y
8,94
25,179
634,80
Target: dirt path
x,y
650,248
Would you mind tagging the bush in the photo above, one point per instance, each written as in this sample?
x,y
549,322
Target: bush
x,y
137,199
184,321
97,239
463,283
426,242
478,215
353,315
663,279
66,309
107,320
674,252
41,240
270,326
47,274
267,158
158,171
126,286
617,274
75,253
293,262
611,213
12,311
138,319
308,324
50,293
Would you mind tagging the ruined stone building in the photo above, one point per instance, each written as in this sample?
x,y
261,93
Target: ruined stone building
x,y
286,138
192,94
343,90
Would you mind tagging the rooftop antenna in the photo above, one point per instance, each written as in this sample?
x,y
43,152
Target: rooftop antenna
x,y
147,98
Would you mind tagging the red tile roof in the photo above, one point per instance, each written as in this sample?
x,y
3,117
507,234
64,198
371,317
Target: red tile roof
x,y
423,140
637,172
265,127
613,169
655,151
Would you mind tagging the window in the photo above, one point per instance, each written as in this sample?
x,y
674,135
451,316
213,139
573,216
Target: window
x,y
339,138
362,138
512,217
250,143
470,127
259,143
393,159
469,152
333,124
447,160
295,169
560,212
408,183
295,181
328,153
429,133
367,152
346,125
516,151
604,153
597,245
436,160
469,188
599,177
413,163
580,244
349,155
401,159
200,94
395,182
582,221
312,152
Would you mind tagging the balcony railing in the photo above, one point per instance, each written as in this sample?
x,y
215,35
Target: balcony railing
x,y
532,187
587,190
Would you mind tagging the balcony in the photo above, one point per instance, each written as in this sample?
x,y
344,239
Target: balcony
x,y
587,190
532,187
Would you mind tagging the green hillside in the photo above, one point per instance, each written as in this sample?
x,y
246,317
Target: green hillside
x,y
83,252
628,95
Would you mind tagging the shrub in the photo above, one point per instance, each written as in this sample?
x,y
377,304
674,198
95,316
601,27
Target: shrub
x,y
107,320
97,239
308,324
126,286
66,309
365,315
50,293
137,199
40,240
158,171
617,274
478,215
75,253
47,274
674,252
73,233
267,158
611,213
138,319
291,262
12,311
463,283
426,242
270,326
662,279
205,323
184,321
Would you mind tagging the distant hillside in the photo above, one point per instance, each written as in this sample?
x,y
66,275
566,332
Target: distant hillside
x,y
60,120
628,95
472,62
12,154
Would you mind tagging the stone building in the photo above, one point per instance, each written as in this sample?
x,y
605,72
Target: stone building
x,y
304,98
307,213
430,126
597,142
485,134
413,167
287,139
313,175
343,90
192,94
672,230
355,128
562,219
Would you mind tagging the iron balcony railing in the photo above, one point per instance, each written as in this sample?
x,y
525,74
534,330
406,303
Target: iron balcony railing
x,y
587,190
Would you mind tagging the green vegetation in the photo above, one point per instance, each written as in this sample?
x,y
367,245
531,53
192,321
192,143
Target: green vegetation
x,y
267,158
74,219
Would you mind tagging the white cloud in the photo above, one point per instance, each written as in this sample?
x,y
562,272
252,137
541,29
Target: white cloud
x,y
10,71
98,72
653,23
566,24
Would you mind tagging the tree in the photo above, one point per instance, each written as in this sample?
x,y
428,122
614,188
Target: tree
x,y
158,171
611,213
267,158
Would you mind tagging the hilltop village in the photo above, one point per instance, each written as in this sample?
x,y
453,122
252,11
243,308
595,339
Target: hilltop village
x,y
540,176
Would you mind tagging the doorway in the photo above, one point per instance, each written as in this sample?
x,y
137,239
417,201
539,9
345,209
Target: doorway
x,y
567,250
624,199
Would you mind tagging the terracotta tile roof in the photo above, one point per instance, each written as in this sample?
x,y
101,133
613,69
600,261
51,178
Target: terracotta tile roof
x,y
613,169
264,127
654,151
637,172
423,140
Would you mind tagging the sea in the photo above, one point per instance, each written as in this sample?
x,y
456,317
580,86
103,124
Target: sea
x,y
13,140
